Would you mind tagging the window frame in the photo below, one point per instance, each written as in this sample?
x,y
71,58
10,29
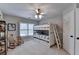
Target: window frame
x,y
26,29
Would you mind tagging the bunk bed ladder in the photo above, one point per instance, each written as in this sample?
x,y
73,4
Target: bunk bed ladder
x,y
57,38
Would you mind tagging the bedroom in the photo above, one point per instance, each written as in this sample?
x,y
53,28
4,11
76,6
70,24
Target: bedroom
x,y
38,28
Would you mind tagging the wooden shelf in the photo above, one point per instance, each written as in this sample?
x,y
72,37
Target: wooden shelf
x,y
2,31
2,38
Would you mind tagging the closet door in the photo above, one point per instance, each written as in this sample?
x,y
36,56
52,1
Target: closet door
x,y
68,32
77,32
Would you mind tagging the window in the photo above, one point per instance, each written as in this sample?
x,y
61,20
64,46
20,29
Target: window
x,y
26,29
30,30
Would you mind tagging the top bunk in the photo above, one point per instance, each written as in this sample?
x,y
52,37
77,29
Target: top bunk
x,y
43,27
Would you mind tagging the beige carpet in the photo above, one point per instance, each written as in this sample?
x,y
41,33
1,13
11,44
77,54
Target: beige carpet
x,y
34,47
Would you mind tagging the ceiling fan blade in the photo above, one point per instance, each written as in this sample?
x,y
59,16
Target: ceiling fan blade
x,y
42,13
36,11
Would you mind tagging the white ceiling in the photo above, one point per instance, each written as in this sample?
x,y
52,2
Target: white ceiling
x,y
26,10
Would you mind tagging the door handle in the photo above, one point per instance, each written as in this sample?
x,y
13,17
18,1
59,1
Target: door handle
x,y
77,38
71,36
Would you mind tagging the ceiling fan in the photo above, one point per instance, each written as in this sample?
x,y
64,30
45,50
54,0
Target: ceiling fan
x,y
39,13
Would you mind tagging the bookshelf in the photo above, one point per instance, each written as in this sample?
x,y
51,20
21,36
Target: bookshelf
x,y
3,46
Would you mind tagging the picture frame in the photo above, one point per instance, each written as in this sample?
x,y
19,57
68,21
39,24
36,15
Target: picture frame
x,y
11,27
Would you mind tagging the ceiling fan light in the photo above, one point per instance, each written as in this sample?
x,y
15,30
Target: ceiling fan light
x,y
40,16
36,16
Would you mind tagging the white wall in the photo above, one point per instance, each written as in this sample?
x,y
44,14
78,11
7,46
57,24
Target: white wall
x,y
11,19
55,20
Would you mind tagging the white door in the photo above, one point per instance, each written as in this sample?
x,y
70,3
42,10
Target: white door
x,y
68,32
77,32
